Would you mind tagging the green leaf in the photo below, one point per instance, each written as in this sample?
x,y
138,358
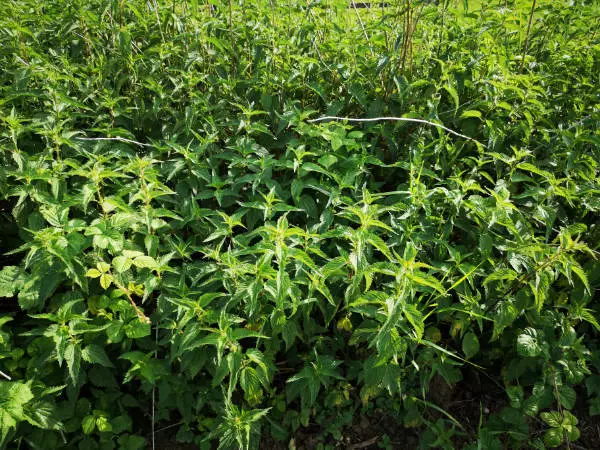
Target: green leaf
x,y
454,95
121,423
515,394
103,267
96,355
567,396
73,359
592,383
505,315
38,287
531,406
250,383
13,398
106,280
145,262
336,142
130,442
552,418
527,343
569,418
487,441
470,345
501,274
115,331
88,424
426,280
590,317
512,416
309,206
415,317
327,160
582,276
594,404
470,114
485,244
553,437
296,189
573,434
380,245
93,273
121,263
136,329
7,422
43,415
103,425
11,281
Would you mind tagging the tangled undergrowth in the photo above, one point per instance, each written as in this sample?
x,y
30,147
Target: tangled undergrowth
x,y
183,249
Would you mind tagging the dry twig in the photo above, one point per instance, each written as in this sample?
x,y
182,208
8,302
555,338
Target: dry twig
x,y
398,119
119,139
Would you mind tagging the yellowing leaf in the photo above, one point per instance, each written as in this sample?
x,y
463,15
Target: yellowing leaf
x,y
103,267
471,114
106,280
93,273
145,262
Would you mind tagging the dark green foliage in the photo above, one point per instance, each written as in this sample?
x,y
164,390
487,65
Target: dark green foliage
x,y
182,247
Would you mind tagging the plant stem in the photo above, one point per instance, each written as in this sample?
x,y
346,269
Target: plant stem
x,y
560,410
141,316
533,3
362,25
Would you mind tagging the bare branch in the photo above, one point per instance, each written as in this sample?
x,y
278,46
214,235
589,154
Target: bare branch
x,y
5,376
398,119
119,139
362,25
22,60
364,444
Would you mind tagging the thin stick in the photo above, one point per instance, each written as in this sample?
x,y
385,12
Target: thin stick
x,y
230,16
405,35
22,60
5,376
319,55
314,40
162,36
169,426
120,139
398,119
364,444
362,25
141,316
579,122
528,31
154,389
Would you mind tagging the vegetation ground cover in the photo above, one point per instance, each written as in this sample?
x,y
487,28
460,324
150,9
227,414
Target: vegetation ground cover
x,y
187,254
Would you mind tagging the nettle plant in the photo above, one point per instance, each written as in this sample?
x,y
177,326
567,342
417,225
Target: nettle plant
x,y
183,250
